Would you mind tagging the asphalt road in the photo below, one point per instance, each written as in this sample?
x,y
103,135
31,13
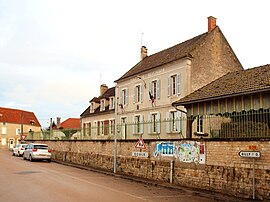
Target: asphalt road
x,y
24,181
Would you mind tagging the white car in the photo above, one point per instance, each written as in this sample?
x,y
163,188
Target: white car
x,y
37,151
18,150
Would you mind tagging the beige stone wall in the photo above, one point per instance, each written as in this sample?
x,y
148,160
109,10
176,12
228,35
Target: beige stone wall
x,y
223,171
212,60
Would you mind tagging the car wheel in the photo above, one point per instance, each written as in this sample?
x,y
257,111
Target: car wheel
x,y
49,160
31,159
13,154
24,157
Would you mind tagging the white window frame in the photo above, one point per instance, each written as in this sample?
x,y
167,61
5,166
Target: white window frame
x,y
200,126
18,131
112,103
138,124
154,88
102,104
124,96
154,123
174,85
138,93
173,122
102,127
4,130
111,126
91,107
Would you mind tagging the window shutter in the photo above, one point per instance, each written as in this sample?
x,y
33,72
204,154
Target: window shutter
x,y
98,129
168,122
134,94
150,88
158,89
149,123
141,93
106,127
158,123
178,84
133,125
127,97
169,86
178,121
121,98
141,124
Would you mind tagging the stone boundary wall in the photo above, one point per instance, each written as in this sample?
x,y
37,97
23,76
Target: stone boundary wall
x,y
222,171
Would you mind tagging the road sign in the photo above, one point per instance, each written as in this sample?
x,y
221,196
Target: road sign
x,y
140,154
250,154
23,137
140,144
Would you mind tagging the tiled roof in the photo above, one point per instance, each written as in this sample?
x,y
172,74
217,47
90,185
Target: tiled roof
x,y
71,123
18,116
165,56
232,84
95,99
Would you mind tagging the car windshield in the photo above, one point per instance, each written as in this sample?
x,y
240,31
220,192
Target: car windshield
x,y
40,146
23,146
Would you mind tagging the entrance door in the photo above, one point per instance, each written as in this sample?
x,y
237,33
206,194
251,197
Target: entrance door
x,y
11,143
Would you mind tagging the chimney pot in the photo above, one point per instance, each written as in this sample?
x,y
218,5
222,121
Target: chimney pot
x,y
211,23
143,52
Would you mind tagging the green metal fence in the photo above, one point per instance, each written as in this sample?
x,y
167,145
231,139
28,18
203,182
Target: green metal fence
x,y
252,124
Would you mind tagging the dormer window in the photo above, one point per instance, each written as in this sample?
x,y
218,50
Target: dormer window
x,y
112,103
102,105
92,107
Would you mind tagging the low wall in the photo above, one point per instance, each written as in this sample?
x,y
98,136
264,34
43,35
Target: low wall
x,y
204,164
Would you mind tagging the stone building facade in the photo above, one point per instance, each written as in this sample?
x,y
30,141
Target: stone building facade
x,y
145,92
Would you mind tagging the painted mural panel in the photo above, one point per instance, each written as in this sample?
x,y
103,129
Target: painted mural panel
x,y
185,151
190,152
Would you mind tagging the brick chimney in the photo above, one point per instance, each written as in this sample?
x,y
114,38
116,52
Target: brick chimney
x,y
211,23
58,122
143,52
103,89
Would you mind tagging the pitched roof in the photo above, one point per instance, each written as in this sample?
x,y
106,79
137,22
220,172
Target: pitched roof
x,y
232,84
18,116
165,56
108,93
71,123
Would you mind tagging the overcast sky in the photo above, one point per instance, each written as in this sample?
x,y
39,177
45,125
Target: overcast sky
x,y
54,54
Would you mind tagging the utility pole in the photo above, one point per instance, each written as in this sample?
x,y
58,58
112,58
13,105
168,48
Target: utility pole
x,y
50,128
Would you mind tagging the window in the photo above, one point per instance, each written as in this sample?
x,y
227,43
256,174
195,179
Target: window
x,y
102,105
4,130
174,85
111,126
112,103
138,94
200,124
137,124
18,131
173,122
154,88
92,107
101,128
154,123
124,96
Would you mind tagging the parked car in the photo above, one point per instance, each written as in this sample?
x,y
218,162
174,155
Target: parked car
x,y
37,151
18,150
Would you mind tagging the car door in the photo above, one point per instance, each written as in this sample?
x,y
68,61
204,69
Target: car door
x,y
27,151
